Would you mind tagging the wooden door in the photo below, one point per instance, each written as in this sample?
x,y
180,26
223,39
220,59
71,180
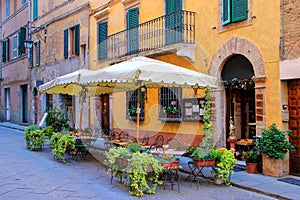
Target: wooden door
x,y
294,124
105,113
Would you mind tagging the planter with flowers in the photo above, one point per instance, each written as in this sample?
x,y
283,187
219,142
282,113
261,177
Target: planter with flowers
x,y
251,158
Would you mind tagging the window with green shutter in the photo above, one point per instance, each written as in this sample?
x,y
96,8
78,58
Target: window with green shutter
x,y
22,37
132,31
35,9
37,53
5,50
234,11
173,23
77,39
102,40
66,41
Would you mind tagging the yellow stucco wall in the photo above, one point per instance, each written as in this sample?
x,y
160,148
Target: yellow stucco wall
x,y
263,32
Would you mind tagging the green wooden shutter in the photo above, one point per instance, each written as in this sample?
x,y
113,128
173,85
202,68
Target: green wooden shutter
x,y
38,53
4,51
132,31
102,40
31,57
22,37
174,21
77,39
35,9
226,8
7,49
239,10
66,41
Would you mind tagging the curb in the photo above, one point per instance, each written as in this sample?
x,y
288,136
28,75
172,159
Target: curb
x,y
277,196
13,127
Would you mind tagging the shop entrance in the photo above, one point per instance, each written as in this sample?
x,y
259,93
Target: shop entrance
x,y
237,76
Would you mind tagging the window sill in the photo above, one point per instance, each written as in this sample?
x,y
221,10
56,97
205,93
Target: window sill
x,y
170,119
134,118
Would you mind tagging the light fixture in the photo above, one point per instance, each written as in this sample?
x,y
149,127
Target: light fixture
x,y
28,43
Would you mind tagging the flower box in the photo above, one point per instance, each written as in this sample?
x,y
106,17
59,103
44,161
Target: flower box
x,y
204,163
173,164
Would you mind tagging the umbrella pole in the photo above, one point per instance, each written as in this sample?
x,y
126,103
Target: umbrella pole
x,y
81,111
138,121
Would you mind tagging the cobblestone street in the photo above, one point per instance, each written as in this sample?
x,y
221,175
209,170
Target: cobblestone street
x,y
36,175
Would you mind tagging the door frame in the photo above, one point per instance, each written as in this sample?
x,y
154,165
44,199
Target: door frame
x,y
7,104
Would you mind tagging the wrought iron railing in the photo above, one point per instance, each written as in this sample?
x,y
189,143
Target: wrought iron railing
x,y
174,28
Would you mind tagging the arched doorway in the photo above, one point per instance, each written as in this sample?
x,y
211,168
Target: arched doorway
x,y
237,74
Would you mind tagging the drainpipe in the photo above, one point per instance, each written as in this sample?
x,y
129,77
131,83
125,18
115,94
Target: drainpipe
x,y
281,45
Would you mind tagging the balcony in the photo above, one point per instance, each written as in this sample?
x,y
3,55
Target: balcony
x,y
173,33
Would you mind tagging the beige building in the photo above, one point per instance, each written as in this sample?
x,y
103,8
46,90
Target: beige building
x,y
63,49
15,82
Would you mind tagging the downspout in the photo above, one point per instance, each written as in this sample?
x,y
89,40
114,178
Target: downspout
x,y
281,45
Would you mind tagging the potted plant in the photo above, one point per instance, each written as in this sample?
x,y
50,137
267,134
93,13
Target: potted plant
x,y
49,130
273,145
141,168
34,137
251,158
60,143
224,167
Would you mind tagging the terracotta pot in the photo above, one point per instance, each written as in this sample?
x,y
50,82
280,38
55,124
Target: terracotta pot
x,y
271,166
204,163
122,162
173,164
251,168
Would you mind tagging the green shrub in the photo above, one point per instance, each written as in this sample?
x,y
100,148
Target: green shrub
x,y
274,142
56,118
34,137
49,130
60,143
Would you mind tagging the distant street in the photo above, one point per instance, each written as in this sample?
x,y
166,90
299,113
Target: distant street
x,y
31,175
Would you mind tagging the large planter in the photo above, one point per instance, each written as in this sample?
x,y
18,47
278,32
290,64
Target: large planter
x,y
271,166
251,168
204,163
173,164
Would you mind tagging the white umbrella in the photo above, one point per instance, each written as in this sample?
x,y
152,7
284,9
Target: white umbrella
x,y
68,84
142,71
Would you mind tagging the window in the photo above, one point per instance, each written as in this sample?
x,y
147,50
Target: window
x,y
102,40
132,30
7,8
170,100
35,9
174,21
131,102
72,40
5,50
15,46
234,10
22,37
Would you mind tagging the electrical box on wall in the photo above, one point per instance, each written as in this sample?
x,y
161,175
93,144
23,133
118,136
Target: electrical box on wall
x,y
285,115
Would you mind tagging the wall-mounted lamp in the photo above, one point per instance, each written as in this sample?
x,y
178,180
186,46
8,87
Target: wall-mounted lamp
x,y
28,42
284,106
253,17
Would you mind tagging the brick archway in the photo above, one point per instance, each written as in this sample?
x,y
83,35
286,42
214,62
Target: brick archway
x,y
237,45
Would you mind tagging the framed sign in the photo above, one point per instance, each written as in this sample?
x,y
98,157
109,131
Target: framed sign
x,y
193,109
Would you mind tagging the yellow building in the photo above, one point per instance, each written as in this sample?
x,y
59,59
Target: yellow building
x,y
235,41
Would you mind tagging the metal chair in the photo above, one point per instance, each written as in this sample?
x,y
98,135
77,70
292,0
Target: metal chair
x,y
158,143
145,139
173,143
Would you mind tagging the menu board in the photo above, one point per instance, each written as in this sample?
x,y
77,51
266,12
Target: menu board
x,y
193,109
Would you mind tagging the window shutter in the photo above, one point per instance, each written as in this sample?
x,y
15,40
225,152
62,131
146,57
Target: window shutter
x,y
4,50
226,12
177,5
66,41
22,37
77,39
31,57
102,40
239,10
7,49
35,9
38,53
132,18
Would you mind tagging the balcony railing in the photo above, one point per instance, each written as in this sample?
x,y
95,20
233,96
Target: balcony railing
x,y
177,27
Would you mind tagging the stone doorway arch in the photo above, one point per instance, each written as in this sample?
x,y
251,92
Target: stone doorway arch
x,y
242,46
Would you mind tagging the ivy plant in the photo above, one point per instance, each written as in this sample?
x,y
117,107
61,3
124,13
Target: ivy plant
x,y
60,144
34,137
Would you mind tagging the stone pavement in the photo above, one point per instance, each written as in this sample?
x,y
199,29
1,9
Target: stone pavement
x,y
57,180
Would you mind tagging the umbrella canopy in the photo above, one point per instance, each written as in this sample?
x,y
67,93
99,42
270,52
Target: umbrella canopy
x,y
142,71
66,84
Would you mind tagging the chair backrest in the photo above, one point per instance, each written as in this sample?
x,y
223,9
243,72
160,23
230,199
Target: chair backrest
x,y
159,142
124,135
114,135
